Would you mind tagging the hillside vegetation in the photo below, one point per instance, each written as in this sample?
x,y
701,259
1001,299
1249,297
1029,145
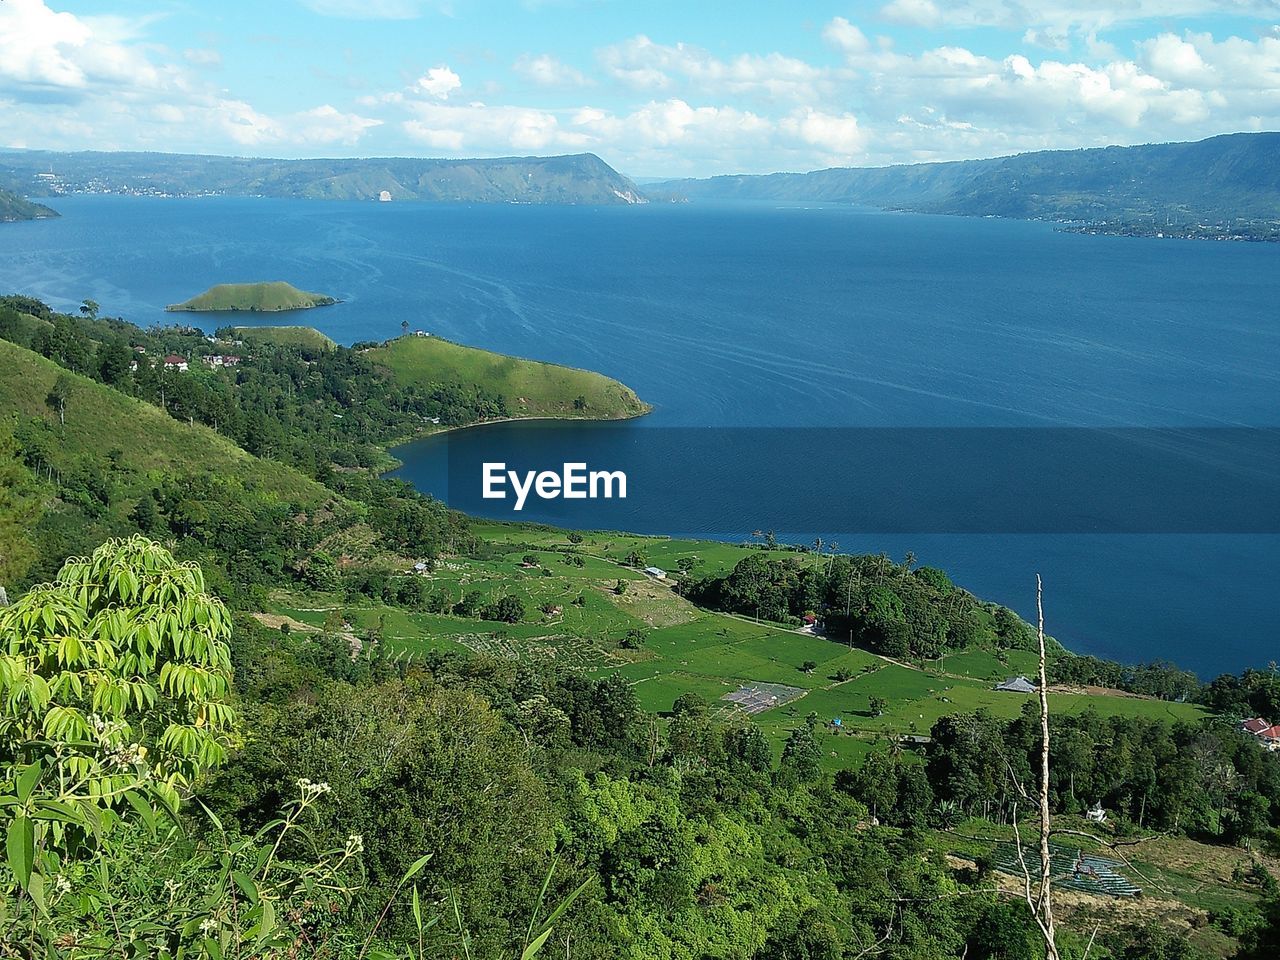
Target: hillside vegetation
x,y
105,425
528,388
307,338
14,207
1222,178
263,297
579,178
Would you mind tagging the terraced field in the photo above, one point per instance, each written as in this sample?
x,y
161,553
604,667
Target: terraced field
x,y
687,650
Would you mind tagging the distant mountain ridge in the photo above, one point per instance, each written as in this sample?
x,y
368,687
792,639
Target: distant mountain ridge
x,y
1219,179
13,207
579,178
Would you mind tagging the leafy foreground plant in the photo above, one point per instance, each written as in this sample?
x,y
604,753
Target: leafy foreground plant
x,y
113,701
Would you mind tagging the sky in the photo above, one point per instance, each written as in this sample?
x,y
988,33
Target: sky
x,y
656,88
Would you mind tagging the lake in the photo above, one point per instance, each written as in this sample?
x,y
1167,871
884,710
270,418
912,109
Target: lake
x,y
748,324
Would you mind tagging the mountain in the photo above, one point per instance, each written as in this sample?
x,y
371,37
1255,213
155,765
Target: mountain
x,y
581,178
13,207
1215,180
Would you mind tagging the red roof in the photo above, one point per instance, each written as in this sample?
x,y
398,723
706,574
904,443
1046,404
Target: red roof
x,y
1256,725
174,358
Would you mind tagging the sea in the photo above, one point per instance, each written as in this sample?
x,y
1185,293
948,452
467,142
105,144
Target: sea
x,y
817,371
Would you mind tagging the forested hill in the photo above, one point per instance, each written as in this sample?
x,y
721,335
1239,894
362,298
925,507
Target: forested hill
x,y
1217,180
582,178
13,207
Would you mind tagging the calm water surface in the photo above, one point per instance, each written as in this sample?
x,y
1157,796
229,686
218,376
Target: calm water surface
x,y
755,315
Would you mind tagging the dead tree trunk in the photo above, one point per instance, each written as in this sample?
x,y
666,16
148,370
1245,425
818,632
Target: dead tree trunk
x,y
1044,905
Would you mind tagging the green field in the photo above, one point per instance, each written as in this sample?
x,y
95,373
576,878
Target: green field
x,y
530,388
264,297
689,650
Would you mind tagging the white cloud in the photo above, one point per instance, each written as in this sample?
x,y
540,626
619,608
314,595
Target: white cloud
x,y
915,13
49,56
475,126
372,9
546,71
833,135
438,82
844,36
644,65
1064,15
202,57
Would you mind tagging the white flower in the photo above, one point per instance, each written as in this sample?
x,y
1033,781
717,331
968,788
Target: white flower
x,y
62,884
208,927
355,844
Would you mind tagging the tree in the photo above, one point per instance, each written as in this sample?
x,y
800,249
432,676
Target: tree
x,y
58,395
877,706
89,309
404,327
634,639
507,610
809,666
801,756
114,686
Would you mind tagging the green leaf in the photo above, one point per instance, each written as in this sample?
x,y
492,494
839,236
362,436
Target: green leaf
x,y
417,909
143,809
246,884
532,949
27,782
267,925
20,848
415,869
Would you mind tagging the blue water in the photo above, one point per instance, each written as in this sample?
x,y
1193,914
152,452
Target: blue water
x,y
752,315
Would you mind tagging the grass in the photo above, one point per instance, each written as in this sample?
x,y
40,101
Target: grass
x,y
305,337
263,297
103,423
529,387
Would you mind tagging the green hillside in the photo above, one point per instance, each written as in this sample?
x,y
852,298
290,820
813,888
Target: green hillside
x,y
104,424
307,338
530,388
14,207
263,297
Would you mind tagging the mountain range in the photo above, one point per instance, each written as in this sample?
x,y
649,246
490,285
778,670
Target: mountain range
x,y
1216,180
580,178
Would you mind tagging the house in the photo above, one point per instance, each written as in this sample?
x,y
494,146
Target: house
x,y
221,360
175,362
1270,737
656,572
421,333
1255,726
810,619
384,196
1017,685
1096,814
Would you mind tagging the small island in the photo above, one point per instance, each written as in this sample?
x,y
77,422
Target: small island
x,y
268,297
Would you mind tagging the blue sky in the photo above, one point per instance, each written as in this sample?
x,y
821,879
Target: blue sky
x,y
656,88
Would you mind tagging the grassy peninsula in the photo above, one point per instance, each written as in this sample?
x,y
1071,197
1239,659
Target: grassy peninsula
x,y
528,388
265,297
